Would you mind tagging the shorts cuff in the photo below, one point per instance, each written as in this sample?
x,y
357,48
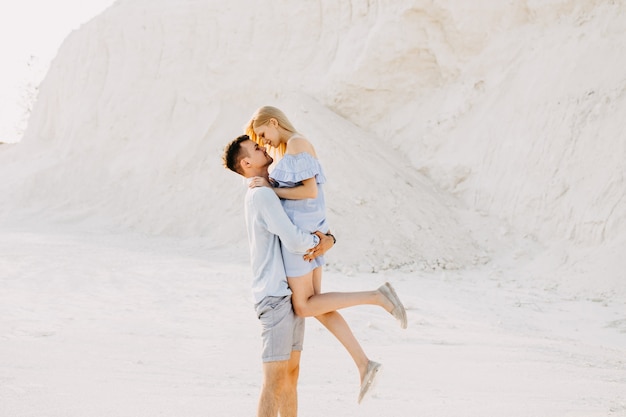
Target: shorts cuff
x,y
277,358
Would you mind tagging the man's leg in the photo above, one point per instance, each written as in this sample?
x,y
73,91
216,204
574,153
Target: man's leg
x,y
272,392
288,406
282,336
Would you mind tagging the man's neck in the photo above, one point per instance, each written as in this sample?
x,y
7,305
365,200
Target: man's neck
x,y
258,173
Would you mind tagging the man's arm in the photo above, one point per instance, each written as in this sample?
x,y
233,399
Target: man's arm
x,y
272,212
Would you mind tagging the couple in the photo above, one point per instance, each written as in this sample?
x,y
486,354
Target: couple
x,y
288,234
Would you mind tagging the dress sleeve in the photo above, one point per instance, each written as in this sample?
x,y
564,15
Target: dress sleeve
x,y
293,169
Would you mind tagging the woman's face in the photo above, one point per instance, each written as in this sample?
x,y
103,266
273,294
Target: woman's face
x,y
268,133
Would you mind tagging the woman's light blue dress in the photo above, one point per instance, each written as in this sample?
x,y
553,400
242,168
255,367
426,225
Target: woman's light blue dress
x,y
308,214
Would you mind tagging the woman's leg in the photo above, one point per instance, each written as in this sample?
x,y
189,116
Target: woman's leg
x,y
337,325
307,303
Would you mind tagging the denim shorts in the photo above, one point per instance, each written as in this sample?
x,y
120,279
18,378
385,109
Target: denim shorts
x,y
281,330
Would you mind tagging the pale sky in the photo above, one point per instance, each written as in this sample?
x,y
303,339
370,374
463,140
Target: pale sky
x,y
33,28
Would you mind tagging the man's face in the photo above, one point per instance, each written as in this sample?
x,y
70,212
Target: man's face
x,y
257,156
268,133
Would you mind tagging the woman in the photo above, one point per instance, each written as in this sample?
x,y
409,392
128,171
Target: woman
x,y
298,180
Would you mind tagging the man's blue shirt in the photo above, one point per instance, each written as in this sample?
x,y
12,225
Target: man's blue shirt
x,y
268,226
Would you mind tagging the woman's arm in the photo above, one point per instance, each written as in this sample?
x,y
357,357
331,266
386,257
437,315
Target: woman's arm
x,y
308,189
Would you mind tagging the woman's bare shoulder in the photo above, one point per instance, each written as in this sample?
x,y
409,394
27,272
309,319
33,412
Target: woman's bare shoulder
x,y
300,144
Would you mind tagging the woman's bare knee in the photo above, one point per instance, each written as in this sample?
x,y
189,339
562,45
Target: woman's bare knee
x,y
301,309
302,288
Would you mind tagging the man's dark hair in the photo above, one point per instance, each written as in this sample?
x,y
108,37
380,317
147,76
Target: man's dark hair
x,y
234,153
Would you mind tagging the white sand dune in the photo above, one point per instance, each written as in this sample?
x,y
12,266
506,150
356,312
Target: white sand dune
x,y
475,158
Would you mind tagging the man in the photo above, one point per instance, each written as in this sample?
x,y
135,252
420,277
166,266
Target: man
x,y
268,226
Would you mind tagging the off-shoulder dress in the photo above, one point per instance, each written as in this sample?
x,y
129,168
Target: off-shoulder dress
x,y
308,214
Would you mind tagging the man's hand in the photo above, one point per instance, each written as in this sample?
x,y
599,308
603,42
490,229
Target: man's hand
x,y
326,242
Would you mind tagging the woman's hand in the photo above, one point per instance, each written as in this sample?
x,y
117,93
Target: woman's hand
x,y
259,182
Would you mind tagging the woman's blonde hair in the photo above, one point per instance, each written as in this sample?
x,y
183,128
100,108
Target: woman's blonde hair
x,y
263,116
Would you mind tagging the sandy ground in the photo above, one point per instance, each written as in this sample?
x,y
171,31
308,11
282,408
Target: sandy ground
x,y
95,324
